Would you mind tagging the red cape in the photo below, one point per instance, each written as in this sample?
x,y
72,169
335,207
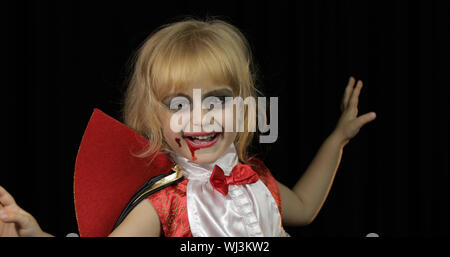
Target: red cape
x,y
107,174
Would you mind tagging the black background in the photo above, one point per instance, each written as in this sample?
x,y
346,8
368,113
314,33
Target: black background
x,y
61,59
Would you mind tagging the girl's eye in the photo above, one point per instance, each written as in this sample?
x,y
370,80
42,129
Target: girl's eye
x,y
179,103
212,101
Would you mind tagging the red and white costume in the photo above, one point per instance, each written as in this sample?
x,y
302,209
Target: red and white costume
x,y
192,207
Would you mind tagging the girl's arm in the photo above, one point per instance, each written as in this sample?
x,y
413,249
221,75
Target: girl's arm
x,y
302,204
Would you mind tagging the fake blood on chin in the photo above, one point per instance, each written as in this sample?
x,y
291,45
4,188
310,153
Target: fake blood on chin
x,y
191,148
195,145
178,141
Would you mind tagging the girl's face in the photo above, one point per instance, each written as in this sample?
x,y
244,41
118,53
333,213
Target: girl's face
x,y
200,147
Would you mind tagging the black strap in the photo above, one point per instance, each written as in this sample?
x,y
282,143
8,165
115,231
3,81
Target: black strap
x,y
139,196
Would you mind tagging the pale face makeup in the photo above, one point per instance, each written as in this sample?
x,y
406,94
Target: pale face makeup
x,y
204,146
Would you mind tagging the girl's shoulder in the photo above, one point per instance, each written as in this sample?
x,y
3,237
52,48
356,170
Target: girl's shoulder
x,y
165,199
259,167
170,204
177,189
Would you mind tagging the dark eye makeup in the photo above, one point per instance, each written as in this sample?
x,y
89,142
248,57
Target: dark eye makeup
x,y
218,94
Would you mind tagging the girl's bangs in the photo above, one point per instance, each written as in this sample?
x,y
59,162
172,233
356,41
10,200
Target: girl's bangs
x,y
181,65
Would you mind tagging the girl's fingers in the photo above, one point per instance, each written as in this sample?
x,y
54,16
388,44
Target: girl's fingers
x,y
347,93
15,215
355,95
5,198
366,118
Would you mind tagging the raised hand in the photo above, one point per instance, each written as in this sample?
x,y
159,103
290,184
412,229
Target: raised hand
x,y
349,124
14,221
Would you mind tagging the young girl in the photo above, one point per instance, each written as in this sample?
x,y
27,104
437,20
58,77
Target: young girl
x,y
213,198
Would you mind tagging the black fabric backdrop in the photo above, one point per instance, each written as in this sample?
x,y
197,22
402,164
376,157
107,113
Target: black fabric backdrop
x,y
61,59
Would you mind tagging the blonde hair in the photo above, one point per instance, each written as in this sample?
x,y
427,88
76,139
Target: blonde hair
x,y
170,57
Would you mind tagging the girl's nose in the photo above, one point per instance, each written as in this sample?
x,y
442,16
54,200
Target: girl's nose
x,y
204,123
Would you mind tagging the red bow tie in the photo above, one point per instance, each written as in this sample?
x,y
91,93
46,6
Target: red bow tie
x,y
241,174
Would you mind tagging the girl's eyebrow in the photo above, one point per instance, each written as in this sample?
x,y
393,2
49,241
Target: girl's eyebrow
x,y
216,92
169,97
219,92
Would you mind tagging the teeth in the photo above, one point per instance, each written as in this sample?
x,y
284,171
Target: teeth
x,y
203,137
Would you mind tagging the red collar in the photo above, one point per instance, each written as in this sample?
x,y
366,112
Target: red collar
x,y
107,175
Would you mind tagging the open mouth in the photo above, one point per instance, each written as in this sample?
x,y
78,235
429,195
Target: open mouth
x,y
202,139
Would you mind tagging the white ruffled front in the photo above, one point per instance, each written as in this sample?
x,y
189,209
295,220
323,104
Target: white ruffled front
x,y
248,210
